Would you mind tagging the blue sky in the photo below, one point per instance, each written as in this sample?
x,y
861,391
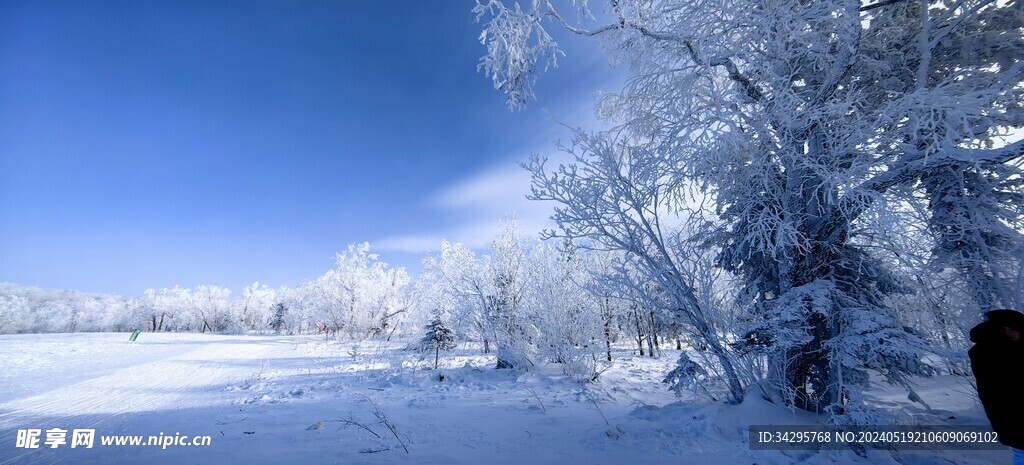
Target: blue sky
x,y
153,144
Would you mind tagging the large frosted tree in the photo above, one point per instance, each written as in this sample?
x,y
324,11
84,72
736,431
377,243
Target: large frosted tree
x,y
362,296
528,301
561,305
484,295
255,307
211,309
798,122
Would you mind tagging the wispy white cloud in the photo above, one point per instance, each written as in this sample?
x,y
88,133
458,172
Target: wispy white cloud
x,y
480,201
506,184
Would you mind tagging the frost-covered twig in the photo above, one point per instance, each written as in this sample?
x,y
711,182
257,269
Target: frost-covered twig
x,y
535,396
592,400
374,451
350,422
383,419
391,427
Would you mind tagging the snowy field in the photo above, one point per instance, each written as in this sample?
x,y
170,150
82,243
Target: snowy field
x,y
299,399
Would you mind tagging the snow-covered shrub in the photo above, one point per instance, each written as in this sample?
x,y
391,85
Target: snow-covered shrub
x,y
686,375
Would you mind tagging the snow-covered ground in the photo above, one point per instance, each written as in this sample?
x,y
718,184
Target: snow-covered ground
x,y
299,399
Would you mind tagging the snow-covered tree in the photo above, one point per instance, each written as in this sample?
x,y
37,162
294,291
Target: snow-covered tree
x,y
796,120
33,310
14,312
626,202
161,309
211,310
255,306
567,317
277,319
505,266
521,298
298,316
605,293
455,283
362,296
531,301
438,337
371,293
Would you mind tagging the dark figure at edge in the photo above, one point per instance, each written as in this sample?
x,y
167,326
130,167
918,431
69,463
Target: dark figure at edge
x,y
997,360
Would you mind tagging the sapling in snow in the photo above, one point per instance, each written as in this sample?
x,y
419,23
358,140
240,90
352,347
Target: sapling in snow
x,y
439,338
686,374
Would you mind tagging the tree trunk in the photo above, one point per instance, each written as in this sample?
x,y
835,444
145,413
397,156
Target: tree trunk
x,y
651,337
639,331
709,337
437,351
608,338
735,388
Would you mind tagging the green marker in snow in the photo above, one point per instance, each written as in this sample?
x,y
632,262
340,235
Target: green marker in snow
x,y
135,334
